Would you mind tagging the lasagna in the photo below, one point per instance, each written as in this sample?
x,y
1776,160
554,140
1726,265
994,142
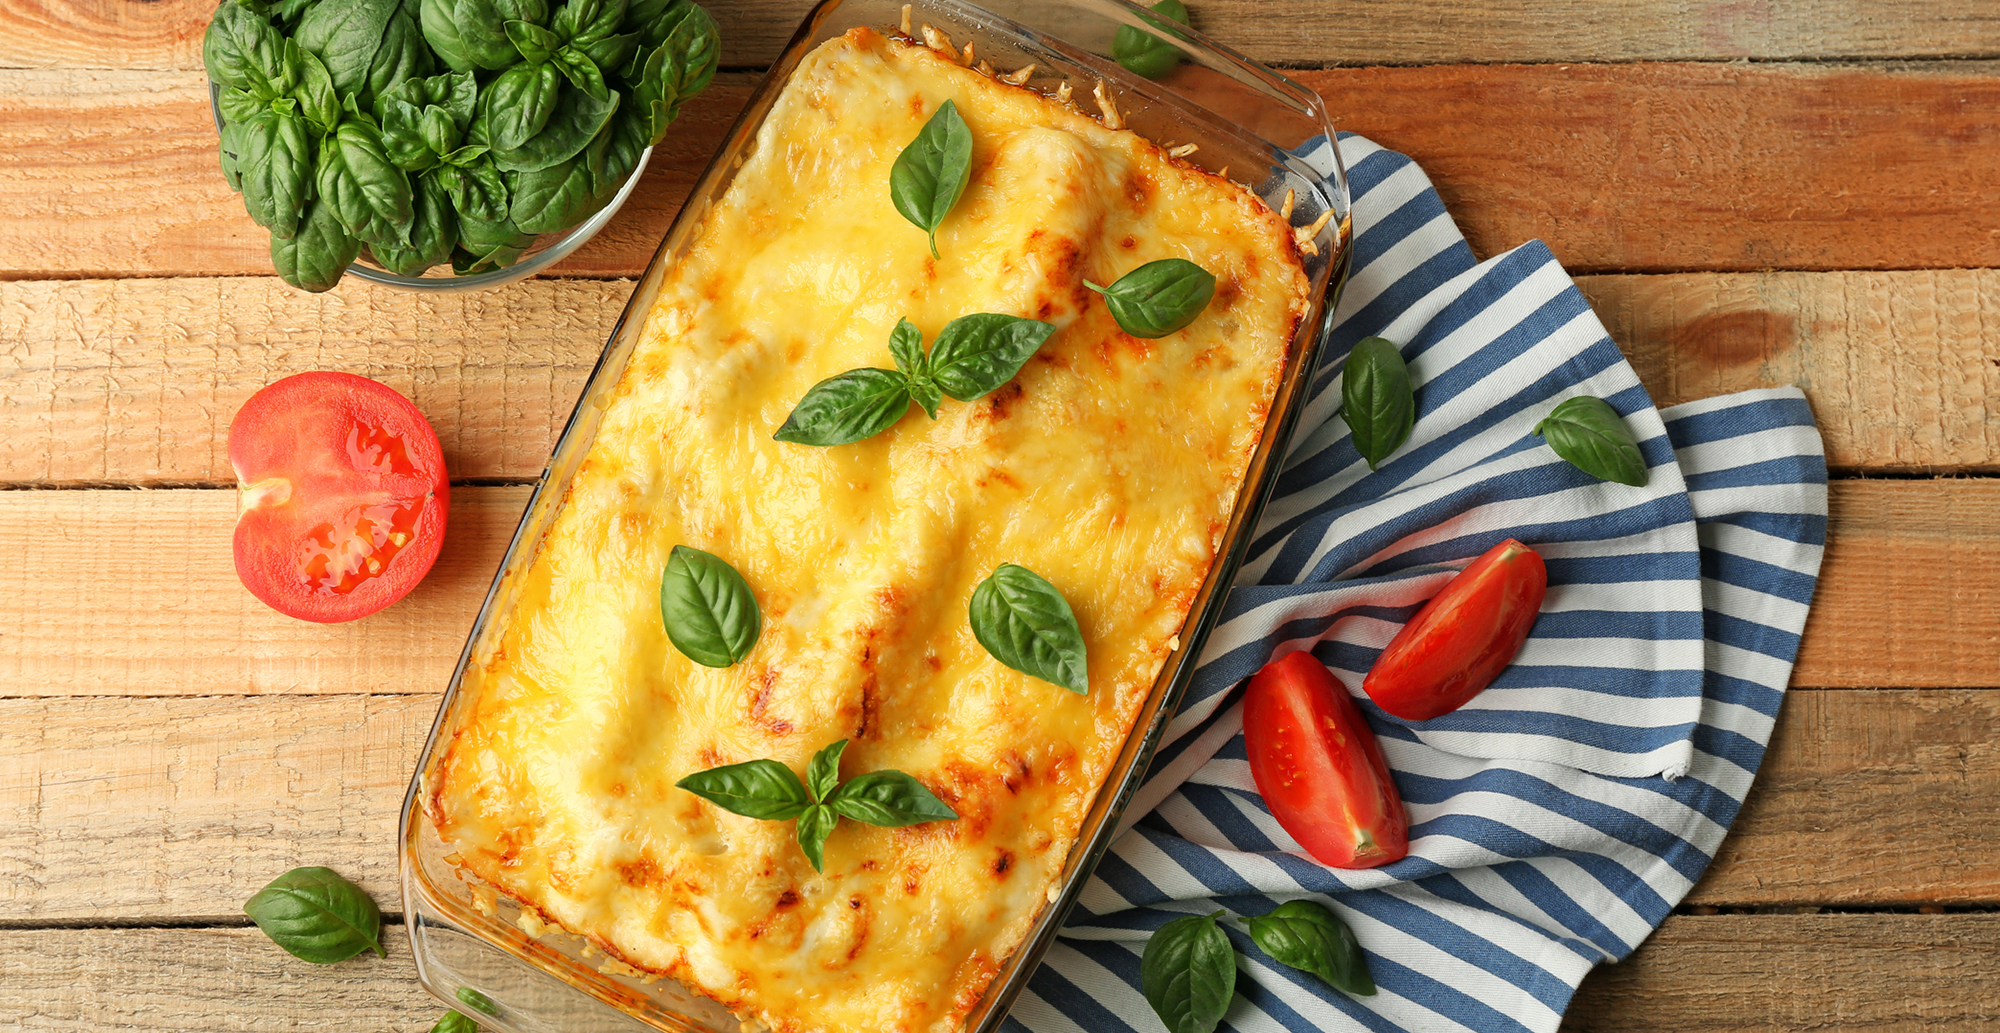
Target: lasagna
x,y
1109,465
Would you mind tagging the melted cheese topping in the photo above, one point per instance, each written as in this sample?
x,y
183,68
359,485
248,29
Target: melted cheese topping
x,y
1109,466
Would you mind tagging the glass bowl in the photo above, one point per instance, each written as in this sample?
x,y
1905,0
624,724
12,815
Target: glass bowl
x,y
547,249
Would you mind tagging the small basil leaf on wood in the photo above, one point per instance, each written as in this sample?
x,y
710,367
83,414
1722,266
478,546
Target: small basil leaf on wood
x,y
890,799
455,1022
1590,435
709,611
1188,973
823,773
1158,298
857,404
318,916
319,254
1377,400
813,827
763,789
1026,624
1308,936
932,171
477,1001
975,354
369,194
1144,53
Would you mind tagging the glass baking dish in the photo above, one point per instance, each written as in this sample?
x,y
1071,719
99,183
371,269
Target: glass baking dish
x,y
475,948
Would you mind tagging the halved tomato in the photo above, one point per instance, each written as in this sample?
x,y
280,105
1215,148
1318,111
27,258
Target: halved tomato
x,y
1463,638
1318,766
341,496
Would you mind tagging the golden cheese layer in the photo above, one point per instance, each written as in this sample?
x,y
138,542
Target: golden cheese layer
x,y
1109,466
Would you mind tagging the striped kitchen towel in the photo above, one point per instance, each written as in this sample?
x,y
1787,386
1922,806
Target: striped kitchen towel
x,y
1556,820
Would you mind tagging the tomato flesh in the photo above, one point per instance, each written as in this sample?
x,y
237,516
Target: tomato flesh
x,y
1463,637
342,496
1319,768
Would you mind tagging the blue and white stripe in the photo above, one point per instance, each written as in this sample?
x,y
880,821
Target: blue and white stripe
x,y
1556,820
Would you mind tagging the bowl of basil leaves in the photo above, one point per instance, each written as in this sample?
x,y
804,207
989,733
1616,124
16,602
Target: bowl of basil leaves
x,y
444,145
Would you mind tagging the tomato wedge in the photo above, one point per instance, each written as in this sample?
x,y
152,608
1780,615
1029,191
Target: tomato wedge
x,y
1318,766
1463,638
341,496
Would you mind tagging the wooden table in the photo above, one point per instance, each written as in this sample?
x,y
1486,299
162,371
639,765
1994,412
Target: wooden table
x,y
1755,192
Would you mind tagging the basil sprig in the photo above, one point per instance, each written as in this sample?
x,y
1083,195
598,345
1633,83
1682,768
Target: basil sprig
x,y
1376,399
318,916
1590,435
972,355
1024,622
1189,973
708,609
1158,298
455,1022
1144,53
1307,936
769,791
932,171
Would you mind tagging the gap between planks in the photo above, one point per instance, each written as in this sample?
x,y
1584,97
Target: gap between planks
x,y
134,381
1621,168
166,34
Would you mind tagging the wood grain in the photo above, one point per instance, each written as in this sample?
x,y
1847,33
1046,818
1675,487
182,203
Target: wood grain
x,y
123,809
134,381
165,34
1720,974
1900,367
1621,168
1910,596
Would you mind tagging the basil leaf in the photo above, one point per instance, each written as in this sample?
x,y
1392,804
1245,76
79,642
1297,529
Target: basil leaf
x,y
575,121
611,53
433,230
1189,973
762,789
318,101
1025,623
402,55
554,198
241,50
455,1022
615,153
975,354
403,135
679,64
369,194
518,104
814,826
710,614
1590,435
1377,401
1144,53
346,36
932,171
476,1000
437,130
581,72
276,166
1308,936
534,42
477,190
890,799
317,916
823,774
906,346
230,150
471,34
239,106
323,249
1158,298
493,243
857,404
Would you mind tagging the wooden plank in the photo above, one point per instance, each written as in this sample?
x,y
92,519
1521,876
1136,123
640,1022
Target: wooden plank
x,y
158,808
1899,366
1719,974
1910,597
166,34
134,381
1854,973
1621,168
